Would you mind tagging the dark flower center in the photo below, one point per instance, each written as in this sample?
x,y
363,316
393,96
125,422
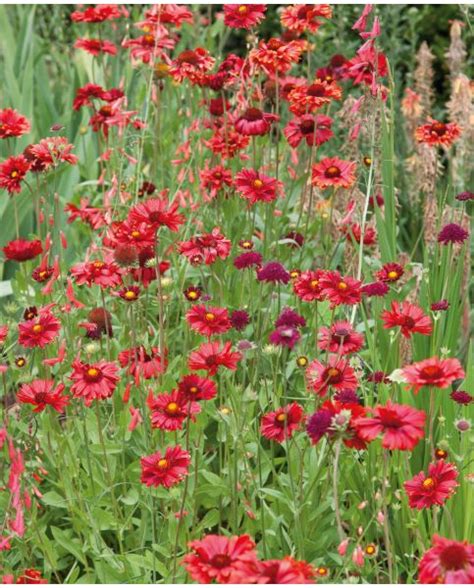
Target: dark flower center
x,y
41,397
332,172
188,56
303,12
439,129
253,114
340,335
408,322
332,376
221,560
92,374
453,557
431,372
274,44
307,127
390,419
317,91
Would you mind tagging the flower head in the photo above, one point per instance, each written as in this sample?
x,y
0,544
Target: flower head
x,y
166,469
409,317
281,424
438,133
273,272
40,330
208,321
22,250
210,357
43,393
425,490
447,562
336,374
340,338
255,122
452,233
243,16
93,381
12,172
12,124
439,373
340,290
169,411
333,171
257,187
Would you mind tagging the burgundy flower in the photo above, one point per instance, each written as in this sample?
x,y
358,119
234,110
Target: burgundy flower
x,y
239,319
273,272
452,233
462,397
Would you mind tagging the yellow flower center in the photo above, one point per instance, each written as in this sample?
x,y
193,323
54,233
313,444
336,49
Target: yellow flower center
x,y
37,328
130,295
210,316
370,550
172,408
14,174
162,464
333,172
314,284
98,264
20,362
428,483
258,183
333,372
342,286
243,9
92,372
135,234
281,417
393,275
302,361
193,389
193,295
322,571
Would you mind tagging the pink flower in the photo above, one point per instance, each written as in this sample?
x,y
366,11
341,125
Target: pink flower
x,y
333,171
439,373
447,562
435,488
39,331
255,122
336,373
42,393
340,338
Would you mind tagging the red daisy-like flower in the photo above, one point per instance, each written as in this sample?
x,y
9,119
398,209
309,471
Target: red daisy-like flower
x,y
165,470
100,13
276,56
390,272
157,212
142,363
255,122
31,576
42,393
51,151
13,124
307,285
227,142
169,411
12,172
400,425
210,357
303,17
315,130
206,247
282,423
22,249
439,373
192,65
340,338
333,171
447,562
96,46
217,558
93,381
435,488
128,232
409,317
215,179
305,98
195,388
243,16
340,290
438,133
129,293
336,374
257,187
40,330
208,321
150,47
97,272
284,571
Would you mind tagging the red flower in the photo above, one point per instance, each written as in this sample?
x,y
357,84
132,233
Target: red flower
x,y
210,357
333,171
337,418
12,124
307,286
12,172
150,47
435,488
257,187
206,247
303,17
366,66
97,272
215,179
438,133
218,558
42,393
157,212
284,571
281,424
409,317
39,331
84,95
308,98
336,373
255,122
390,272
165,470
22,250
402,426
439,373
340,290
193,387
315,130
243,16
31,576
96,46
100,13
52,150
340,338
129,293
169,411
192,65
93,381
142,363
353,234
447,562
276,56
208,321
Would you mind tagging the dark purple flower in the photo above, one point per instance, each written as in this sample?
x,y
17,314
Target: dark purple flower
x,y
440,305
290,318
462,397
273,272
296,237
375,289
465,196
378,378
346,396
239,319
249,259
452,233
319,424
285,336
